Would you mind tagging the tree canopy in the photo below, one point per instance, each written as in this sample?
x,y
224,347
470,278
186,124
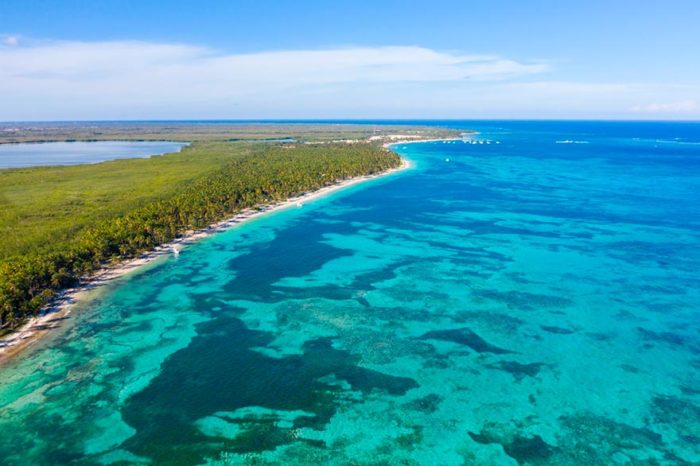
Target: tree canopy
x,y
69,239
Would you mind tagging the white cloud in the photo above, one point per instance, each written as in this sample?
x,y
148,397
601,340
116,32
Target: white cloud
x,y
570,87
145,80
10,41
112,61
142,75
686,106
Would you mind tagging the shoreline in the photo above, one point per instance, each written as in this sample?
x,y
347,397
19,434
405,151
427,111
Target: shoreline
x,y
61,305
415,141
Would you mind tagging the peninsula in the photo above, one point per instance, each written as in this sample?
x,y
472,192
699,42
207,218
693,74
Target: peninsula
x,y
68,228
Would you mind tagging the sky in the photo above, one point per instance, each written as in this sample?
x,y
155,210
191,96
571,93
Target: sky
x,y
312,59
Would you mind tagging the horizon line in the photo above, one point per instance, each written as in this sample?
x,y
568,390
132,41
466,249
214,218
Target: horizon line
x,y
348,120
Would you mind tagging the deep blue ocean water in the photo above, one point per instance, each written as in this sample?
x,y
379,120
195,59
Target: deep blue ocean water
x,y
528,296
75,153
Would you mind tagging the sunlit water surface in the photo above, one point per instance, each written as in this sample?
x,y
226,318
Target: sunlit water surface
x,y
76,153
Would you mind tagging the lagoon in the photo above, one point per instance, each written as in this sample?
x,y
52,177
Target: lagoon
x,y
23,155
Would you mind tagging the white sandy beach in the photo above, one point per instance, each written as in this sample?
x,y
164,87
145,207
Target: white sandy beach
x,y
414,141
59,308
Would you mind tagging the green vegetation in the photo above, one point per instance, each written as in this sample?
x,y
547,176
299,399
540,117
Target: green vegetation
x,y
179,131
60,223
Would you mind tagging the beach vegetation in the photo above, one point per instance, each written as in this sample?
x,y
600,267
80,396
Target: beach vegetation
x,y
59,224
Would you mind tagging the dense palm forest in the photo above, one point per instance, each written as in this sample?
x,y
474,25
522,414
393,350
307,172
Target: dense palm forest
x,y
61,223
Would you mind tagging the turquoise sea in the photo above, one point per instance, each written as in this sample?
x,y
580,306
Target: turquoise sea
x,y
532,300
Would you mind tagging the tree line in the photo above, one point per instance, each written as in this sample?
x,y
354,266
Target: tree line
x,y
271,173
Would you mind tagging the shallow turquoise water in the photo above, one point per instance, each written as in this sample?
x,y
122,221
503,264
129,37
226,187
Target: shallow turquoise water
x,y
518,302
75,153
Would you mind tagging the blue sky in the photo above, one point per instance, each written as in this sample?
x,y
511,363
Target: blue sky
x,y
349,59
